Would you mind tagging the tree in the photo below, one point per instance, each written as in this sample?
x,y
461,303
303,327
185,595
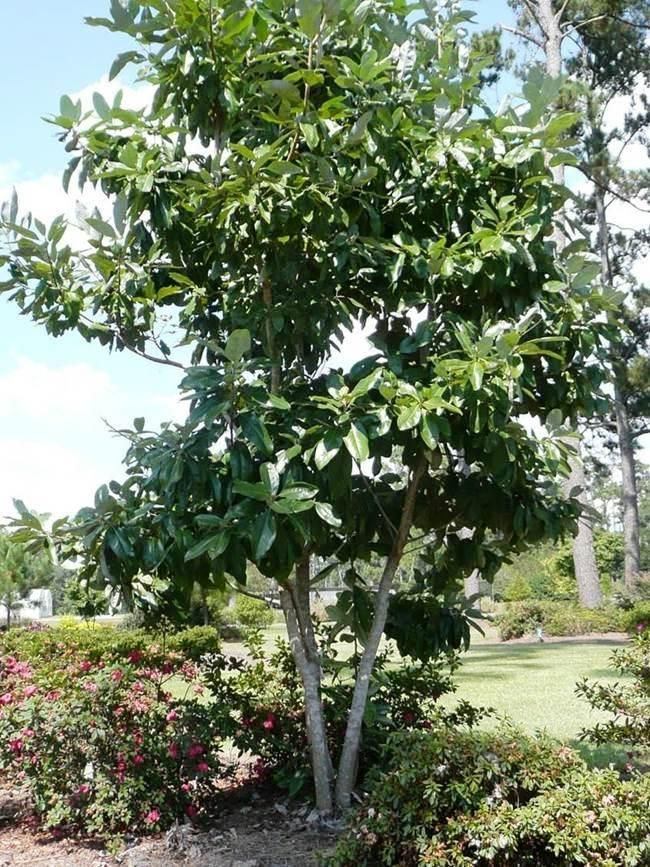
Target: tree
x,y
608,56
20,572
303,168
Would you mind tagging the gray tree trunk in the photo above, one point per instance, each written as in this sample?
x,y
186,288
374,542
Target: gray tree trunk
x,y
295,605
347,771
631,533
472,584
584,558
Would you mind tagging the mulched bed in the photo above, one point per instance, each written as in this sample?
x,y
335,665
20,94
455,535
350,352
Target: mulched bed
x,y
255,832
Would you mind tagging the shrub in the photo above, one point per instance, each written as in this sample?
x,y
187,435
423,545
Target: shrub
x,y
637,619
556,618
257,702
470,799
251,613
103,747
626,702
428,778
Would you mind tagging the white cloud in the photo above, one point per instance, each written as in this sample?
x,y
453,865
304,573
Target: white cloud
x,y
33,391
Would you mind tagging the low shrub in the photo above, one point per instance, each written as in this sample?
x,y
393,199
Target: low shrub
x,y
102,746
556,618
636,619
252,614
626,702
428,778
258,704
474,799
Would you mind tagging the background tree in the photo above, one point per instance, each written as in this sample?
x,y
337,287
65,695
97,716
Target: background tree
x,y
603,46
303,168
20,572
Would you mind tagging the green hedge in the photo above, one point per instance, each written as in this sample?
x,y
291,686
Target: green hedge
x,y
97,642
559,618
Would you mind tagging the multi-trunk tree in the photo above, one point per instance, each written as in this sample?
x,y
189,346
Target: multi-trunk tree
x,y
302,168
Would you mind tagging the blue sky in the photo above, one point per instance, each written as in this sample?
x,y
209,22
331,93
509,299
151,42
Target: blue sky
x,y
54,447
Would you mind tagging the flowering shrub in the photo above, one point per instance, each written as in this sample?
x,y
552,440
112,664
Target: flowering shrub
x,y
628,701
474,799
258,703
103,746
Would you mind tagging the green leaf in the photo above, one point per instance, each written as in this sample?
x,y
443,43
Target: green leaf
x,y
311,135
326,513
409,416
263,534
121,61
102,108
216,545
476,372
429,431
299,491
279,402
238,345
270,478
356,442
327,449
255,490
359,128
255,430
309,16
282,88
291,507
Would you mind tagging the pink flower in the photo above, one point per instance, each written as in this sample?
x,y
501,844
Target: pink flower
x,y
152,817
15,745
185,787
53,695
172,716
90,686
173,751
191,810
195,750
138,759
203,767
640,627
117,675
7,698
135,656
269,722
30,691
83,789
28,733
85,665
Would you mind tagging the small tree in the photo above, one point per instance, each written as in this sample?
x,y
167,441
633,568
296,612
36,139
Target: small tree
x,y
305,167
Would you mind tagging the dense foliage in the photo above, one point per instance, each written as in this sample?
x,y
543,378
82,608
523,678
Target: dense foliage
x,y
467,799
519,619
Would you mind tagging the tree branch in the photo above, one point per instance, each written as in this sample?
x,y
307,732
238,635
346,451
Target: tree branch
x,y
523,35
366,484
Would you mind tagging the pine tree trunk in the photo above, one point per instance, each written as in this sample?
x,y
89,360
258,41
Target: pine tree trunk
x,y
584,558
631,533
348,765
296,607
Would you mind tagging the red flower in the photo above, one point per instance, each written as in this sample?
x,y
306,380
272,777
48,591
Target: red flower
x,y
85,665
135,656
191,811
174,751
83,789
203,767
7,698
15,745
117,675
152,817
171,716
269,722
195,750
138,759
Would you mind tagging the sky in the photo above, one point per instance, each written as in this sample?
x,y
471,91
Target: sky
x,y
55,447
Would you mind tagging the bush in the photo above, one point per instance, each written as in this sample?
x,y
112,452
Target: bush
x,y
428,778
101,746
637,618
556,618
258,704
251,613
458,798
626,702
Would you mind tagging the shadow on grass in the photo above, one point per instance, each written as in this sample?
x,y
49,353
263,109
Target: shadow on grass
x,y
601,755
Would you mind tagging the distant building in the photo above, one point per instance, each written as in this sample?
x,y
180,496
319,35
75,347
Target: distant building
x,y
35,606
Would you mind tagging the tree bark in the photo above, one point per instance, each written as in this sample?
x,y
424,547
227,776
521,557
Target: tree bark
x,y
631,532
472,585
295,604
584,558
348,764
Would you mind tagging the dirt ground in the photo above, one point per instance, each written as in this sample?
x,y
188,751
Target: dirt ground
x,y
253,833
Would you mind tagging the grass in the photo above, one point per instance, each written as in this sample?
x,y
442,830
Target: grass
x,y
534,685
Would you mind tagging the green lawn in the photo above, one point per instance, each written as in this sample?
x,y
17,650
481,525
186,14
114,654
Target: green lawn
x,y
534,685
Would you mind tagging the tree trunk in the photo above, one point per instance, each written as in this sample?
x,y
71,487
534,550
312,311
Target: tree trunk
x,y
631,532
472,585
584,558
348,764
295,604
